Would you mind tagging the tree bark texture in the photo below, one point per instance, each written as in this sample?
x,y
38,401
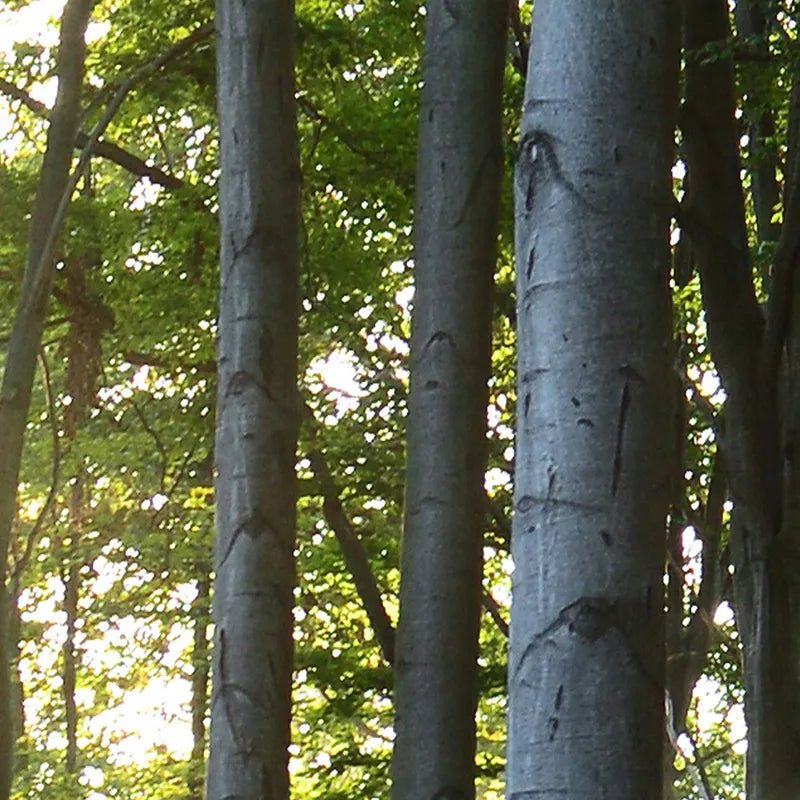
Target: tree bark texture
x,y
257,404
747,349
456,219
592,485
26,332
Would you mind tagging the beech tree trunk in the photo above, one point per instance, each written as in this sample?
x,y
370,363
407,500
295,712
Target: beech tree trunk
x,y
586,664
26,333
456,218
257,404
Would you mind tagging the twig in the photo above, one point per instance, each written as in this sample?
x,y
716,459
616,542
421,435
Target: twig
x,y
162,450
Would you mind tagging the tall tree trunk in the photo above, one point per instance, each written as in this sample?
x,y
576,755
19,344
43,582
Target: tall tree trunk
x,y
592,484
257,405
456,218
747,350
26,332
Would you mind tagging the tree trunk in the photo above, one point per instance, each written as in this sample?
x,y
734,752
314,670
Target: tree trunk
x,y
586,664
26,332
456,218
747,350
752,24
200,670
70,671
257,404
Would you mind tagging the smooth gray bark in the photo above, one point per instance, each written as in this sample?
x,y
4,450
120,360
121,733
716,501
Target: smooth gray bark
x,y
257,404
26,333
456,217
586,665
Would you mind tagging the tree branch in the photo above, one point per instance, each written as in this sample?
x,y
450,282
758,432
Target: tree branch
x,y
355,556
108,150
493,607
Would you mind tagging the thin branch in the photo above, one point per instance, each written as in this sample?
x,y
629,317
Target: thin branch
x,y
695,769
139,359
355,556
521,39
346,138
493,607
160,446
787,253
108,150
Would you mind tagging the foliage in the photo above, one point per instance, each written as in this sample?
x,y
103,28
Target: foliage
x,y
144,447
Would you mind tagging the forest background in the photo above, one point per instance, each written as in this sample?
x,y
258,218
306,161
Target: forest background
x,y
110,560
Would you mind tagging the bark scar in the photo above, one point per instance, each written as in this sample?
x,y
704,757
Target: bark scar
x,y
624,405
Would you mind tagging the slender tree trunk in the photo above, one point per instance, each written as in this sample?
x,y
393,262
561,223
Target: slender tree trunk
x,y
70,670
257,405
752,23
200,671
26,332
747,349
88,320
586,665
456,218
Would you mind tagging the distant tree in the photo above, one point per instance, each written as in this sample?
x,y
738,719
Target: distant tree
x,y
26,334
586,664
257,406
754,343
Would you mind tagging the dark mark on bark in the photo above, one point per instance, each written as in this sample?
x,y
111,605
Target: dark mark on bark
x,y
624,405
436,338
551,485
586,421
590,618
606,537
630,374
